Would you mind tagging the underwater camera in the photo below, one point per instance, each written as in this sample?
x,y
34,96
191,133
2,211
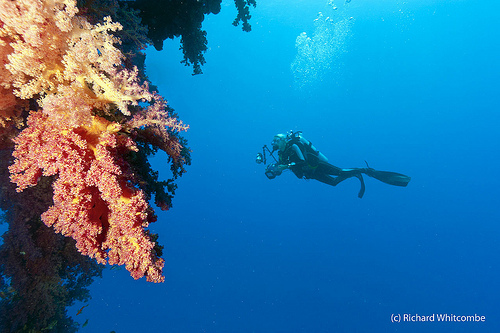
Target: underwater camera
x,y
271,170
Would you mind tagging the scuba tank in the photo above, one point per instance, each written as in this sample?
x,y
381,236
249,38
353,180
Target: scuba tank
x,y
297,138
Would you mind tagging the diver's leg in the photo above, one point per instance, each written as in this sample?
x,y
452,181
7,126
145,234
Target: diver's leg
x,y
325,171
333,170
328,169
333,181
327,179
354,172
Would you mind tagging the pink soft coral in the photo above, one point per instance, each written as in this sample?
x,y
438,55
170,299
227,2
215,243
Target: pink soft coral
x,y
75,72
94,201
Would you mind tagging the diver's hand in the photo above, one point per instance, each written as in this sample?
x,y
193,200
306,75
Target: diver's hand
x,y
285,166
282,167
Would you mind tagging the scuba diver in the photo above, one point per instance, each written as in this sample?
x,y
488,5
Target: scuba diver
x,y
297,154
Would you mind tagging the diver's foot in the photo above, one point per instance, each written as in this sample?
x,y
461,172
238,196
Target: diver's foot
x,y
368,171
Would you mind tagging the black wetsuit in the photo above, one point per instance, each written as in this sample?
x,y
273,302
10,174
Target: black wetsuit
x,y
308,163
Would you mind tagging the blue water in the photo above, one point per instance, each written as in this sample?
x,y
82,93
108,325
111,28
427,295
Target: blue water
x,y
411,87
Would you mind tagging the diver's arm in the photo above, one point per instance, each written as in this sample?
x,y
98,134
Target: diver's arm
x,y
297,156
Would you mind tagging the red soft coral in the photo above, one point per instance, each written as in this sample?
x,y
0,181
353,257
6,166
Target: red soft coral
x,y
94,201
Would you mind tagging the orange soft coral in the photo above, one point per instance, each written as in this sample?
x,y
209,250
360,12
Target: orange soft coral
x,y
94,201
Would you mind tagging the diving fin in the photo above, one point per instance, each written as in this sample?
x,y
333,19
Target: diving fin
x,y
362,189
388,177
